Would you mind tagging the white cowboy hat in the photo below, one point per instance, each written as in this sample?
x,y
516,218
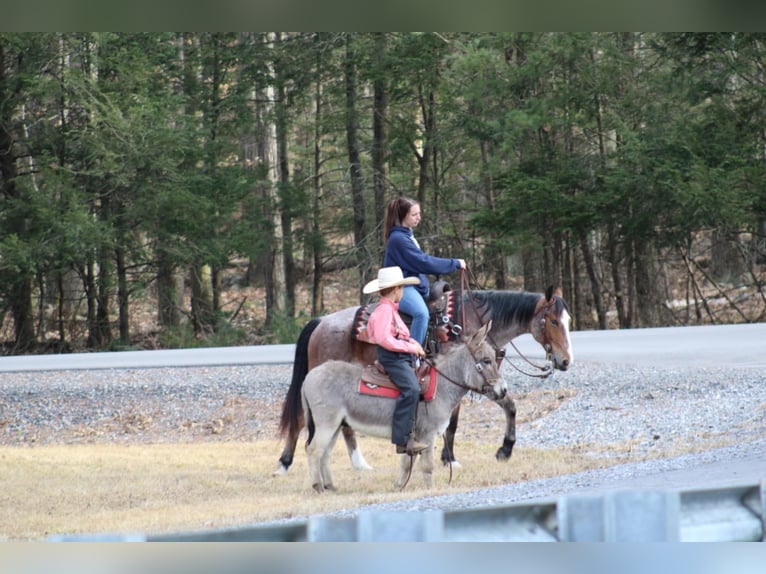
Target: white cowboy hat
x,y
389,277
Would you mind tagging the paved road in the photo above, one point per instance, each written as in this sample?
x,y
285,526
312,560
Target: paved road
x,y
718,345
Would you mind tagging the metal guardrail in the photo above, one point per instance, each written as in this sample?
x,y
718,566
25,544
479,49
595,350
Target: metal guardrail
x,y
732,514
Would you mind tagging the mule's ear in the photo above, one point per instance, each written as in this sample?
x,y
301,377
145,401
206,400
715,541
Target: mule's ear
x,y
480,335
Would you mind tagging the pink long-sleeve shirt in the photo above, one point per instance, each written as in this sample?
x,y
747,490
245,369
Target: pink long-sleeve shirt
x,y
386,328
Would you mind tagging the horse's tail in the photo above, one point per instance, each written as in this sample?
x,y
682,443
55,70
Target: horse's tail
x,y
292,409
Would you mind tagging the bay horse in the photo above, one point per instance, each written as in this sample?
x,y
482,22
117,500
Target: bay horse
x,y
331,399
544,315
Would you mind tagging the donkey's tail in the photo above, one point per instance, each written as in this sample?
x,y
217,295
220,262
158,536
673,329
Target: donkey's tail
x,y
292,409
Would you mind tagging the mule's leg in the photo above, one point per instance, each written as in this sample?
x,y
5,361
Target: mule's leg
x,y
357,459
448,451
509,407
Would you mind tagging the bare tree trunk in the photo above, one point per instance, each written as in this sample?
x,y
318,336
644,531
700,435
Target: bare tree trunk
x,y
355,166
647,296
494,255
314,221
285,199
617,283
380,138
595,284
168,314
202,314
123,294
273,264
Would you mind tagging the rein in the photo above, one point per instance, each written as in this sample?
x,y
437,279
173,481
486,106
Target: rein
x,y
477,365
546,370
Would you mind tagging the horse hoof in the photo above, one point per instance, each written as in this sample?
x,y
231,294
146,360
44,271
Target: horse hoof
x,y
358,462
281,471
502,456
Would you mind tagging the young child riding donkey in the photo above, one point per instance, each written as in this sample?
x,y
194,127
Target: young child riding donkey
x,y
396,353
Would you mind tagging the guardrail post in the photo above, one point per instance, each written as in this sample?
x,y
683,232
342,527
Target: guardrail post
x,y
400,526
329,529
630,516
581,519
763,510
642,516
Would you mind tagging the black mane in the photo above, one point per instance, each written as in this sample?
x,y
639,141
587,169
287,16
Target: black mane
x,y
507,307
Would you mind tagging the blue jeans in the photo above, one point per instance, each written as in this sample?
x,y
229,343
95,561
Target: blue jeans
x,y
415,306
399,369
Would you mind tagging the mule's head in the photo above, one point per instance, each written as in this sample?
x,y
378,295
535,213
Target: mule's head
x,y
487,379
550,328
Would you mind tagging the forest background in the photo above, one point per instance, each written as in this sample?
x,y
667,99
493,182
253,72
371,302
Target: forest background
x,y
183,189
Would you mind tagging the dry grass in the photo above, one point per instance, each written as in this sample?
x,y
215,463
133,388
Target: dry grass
x,y
223,480
103,488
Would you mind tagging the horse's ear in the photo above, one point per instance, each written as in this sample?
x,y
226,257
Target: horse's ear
x,y
549,293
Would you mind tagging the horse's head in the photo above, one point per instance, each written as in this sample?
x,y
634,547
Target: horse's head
x,y
486,364
550,328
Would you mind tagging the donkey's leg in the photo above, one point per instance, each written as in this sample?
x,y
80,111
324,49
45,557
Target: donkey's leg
x,y
426,462
357,459
325,462
509,407
448,451
314,452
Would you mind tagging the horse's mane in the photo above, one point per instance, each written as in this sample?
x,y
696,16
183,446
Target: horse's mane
x,y
507,307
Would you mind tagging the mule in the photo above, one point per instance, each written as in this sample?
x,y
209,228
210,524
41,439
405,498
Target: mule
x,y
513,313
332,398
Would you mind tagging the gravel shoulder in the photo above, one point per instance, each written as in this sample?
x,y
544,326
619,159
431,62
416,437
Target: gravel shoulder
x,y
677,418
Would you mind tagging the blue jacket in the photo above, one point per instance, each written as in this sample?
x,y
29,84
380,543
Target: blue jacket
x,y
402,250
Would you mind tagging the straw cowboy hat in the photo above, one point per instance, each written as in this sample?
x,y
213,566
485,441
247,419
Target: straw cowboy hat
x,y
389,277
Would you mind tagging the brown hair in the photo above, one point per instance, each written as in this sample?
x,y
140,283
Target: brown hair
x,y
396,211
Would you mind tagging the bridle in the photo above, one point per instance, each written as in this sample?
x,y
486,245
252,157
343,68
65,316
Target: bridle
x,y
489,382
545,370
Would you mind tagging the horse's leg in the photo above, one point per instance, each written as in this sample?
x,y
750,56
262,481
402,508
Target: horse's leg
x,y
448,451
292,419
509,407
291,441
357,459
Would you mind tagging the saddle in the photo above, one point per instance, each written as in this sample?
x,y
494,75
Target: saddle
x,y
375,381
443,324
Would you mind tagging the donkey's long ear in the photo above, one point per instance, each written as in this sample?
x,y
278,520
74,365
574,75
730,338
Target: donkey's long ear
x,y
480,335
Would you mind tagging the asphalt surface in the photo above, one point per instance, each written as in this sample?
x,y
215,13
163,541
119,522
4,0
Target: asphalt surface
x,y
715,345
